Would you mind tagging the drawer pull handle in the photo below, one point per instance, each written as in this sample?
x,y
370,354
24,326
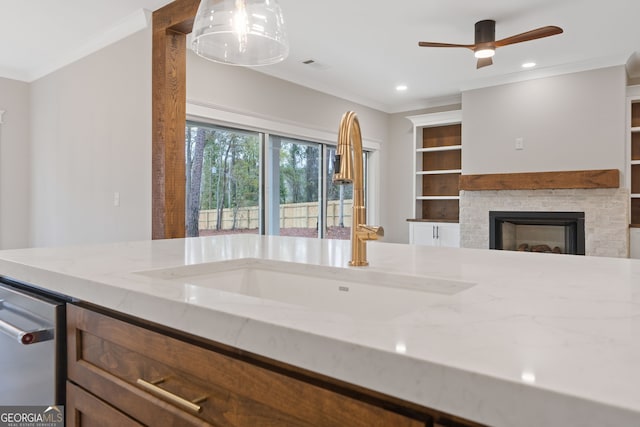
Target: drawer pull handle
x,y
180,401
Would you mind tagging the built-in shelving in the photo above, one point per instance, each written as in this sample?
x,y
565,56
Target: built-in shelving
x,y
437,160
438,165
634,152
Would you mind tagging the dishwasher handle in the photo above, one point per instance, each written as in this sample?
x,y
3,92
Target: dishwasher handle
x,y
43,333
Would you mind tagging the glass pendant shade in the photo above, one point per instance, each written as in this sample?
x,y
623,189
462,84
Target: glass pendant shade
x,y
240,32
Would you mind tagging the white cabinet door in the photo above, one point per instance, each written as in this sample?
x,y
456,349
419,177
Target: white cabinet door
x,y
448,235
422,233
634,234
434,234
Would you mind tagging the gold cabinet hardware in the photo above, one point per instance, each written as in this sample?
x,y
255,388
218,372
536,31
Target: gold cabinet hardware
x,y
180,401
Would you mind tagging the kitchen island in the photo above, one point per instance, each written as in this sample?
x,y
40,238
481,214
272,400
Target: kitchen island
x,y
499,338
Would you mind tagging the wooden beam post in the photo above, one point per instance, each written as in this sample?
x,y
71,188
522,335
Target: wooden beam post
x,y
171,24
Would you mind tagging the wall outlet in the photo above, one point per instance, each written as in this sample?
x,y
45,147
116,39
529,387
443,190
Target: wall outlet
x,y
519,143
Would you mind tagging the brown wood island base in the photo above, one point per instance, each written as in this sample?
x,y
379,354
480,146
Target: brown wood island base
x,y
124,371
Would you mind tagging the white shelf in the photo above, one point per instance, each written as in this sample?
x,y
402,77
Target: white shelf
x,y
635,129
635,196
635,162
439,172
438,198
443,148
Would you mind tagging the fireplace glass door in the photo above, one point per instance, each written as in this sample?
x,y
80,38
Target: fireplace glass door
x,y
552,232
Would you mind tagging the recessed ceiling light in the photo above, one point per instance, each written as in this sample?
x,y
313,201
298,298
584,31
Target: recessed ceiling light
x,y
401,88
528,65
528,377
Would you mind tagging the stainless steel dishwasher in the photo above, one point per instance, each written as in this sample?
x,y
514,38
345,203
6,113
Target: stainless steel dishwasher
x,y
32,346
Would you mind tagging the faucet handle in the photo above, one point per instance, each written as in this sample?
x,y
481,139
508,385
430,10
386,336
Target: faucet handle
x,y
369,232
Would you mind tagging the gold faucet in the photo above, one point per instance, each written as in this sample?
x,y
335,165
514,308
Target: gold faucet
x,y
348,168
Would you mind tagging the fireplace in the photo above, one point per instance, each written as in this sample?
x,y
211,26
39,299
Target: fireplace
x,y
606,215
557,232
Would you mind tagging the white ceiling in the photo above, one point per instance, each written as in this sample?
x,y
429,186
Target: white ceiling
x,y
362,48
40,36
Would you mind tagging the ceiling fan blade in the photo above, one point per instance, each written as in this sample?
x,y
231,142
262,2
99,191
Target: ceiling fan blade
x,y
483,62
431,44
538,33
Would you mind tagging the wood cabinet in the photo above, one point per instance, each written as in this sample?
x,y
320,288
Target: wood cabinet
x,y
143,373
437,165
440,234
85,410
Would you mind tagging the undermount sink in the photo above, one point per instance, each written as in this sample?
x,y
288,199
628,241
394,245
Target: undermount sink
x,y
356,292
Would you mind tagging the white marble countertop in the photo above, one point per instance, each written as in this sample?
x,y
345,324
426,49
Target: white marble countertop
x,y
539,339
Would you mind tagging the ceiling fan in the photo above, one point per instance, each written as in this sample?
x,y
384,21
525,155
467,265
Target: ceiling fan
x,y
486,43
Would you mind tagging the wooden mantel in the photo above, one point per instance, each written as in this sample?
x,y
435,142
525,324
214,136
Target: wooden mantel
x,y
603,178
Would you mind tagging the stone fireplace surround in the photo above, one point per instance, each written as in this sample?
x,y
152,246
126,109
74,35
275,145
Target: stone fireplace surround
x,y
606,214
597,193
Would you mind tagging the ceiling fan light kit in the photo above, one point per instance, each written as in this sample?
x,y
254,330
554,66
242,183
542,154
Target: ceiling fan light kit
x,y
485,42
484,53
240,32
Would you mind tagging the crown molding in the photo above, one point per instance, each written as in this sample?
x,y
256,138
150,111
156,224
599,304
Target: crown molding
x,y
543,72
439,101
137,21
432,119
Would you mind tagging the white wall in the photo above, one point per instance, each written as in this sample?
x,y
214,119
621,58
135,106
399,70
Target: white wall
x,y
246,91
91,137
14,164
569,122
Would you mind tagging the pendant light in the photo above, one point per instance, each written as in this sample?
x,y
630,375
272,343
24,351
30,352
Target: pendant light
x,y
240,32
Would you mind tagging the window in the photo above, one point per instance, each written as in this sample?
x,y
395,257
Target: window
x,y
226,192
339,203
223,180
294,177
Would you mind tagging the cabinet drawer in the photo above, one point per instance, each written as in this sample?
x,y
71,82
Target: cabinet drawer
x,y
118,361
86,410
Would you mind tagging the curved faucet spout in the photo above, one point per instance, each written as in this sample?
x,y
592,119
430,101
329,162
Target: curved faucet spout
x,y
348,168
